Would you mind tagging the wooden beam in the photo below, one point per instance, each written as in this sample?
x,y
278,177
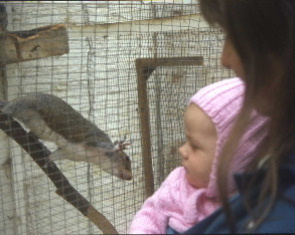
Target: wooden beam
x,y
33,44
170,24
39,153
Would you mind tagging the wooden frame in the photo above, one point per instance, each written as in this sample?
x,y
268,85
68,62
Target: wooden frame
x,y
144,69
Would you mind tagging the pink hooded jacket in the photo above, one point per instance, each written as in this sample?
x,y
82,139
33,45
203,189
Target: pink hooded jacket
x,y
176,203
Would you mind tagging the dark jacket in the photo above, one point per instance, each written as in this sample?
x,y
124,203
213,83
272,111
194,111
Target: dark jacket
x,y
281,218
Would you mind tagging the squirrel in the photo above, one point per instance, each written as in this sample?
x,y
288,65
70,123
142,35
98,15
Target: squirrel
x,y
52,119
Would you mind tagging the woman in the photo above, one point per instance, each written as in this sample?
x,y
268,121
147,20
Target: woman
x,y
260,49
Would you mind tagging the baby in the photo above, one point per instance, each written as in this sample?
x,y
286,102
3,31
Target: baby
x,y
189,193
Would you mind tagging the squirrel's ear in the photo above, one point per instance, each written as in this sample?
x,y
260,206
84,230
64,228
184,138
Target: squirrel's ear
x,y
121,145
117,146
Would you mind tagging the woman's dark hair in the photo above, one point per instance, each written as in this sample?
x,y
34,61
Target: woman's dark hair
x,y
263,35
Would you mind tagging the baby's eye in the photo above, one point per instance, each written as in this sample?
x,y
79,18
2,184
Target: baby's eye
x,y
194,146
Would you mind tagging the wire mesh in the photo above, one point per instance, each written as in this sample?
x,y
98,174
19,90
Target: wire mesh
x,y
98,78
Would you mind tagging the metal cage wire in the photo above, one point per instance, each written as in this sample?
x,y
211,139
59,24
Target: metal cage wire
x,y
99,77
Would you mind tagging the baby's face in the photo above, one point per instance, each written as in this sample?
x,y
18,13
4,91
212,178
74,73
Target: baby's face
x,y
199,148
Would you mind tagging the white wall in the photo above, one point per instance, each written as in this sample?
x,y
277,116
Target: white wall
x,y
98,78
